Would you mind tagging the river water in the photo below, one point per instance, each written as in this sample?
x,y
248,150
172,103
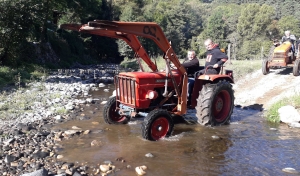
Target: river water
x,y
248,146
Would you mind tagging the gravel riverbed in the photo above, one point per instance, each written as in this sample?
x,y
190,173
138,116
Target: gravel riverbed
x,y
28,146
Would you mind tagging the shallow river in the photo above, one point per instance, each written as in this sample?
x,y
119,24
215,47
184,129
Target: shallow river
x,y
248,146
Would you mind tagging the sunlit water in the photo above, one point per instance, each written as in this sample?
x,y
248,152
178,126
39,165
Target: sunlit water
x,y
248,146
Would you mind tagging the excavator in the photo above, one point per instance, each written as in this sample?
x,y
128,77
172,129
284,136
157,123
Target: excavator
x,y
159,96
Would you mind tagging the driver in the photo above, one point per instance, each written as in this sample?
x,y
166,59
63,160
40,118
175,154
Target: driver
x,y
289,37
214,58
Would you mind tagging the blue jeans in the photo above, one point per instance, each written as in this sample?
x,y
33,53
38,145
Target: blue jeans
x,y
191,82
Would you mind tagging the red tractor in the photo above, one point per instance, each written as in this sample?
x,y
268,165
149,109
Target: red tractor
x,y
159,96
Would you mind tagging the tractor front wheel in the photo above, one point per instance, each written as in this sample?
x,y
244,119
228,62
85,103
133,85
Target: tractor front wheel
x,y
296,67
265,68
215,104
158,124
111,114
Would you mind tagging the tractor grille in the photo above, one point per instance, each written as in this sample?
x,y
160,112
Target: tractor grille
x,y
279,55
126,87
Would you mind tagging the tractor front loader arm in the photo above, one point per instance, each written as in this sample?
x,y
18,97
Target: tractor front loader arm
x,y
128,31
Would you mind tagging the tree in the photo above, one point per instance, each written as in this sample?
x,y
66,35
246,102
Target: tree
x,y
289,23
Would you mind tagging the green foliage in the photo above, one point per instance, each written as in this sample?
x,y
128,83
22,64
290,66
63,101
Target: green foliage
x,y
289,23
186,23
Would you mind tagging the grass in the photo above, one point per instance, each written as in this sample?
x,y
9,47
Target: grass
x,y
16,76
242,67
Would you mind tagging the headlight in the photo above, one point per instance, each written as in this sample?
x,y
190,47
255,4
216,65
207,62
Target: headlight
x,y
151,94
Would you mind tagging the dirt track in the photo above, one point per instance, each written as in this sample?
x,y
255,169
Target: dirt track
x,y
261,90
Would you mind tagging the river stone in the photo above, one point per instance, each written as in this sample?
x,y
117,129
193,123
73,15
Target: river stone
x,y
59,156
215,137
103,102
8,141
288,114
294,125
76,128
290,170
9,158
106,90
101,85
71,132
40,154
149,155
41,172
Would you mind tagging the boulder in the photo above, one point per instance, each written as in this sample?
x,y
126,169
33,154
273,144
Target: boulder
x,y
288,114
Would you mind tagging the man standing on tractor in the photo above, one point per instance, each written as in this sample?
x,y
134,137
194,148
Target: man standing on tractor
x,y
215,58
289,37
191,64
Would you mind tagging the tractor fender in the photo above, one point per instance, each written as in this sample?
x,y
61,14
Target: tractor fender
x,y
216,78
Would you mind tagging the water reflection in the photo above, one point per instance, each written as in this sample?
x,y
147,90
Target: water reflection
x,y
249,146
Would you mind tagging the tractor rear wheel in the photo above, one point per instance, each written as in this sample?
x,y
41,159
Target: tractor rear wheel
x,y
265,68
296,67
158,124
111,114
215,104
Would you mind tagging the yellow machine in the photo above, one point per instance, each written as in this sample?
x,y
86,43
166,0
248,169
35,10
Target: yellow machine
x,y
282,56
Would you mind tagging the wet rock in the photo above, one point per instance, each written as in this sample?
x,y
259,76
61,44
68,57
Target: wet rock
x,y
120,159
59,156
95,143
40,154
215,137
140,170
76,128
71,132
41,172
86,132
101,85
103,102
149,155
106,90
106,168
84,118
290,170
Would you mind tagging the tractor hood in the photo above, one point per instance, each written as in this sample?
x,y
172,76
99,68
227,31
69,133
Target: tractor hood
x,y
150,77
284,47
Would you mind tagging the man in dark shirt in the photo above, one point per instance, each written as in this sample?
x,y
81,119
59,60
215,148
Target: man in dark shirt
x,y
215,58
289,37
191,64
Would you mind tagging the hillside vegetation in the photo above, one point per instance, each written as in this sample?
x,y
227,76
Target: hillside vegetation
x,y
248,26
